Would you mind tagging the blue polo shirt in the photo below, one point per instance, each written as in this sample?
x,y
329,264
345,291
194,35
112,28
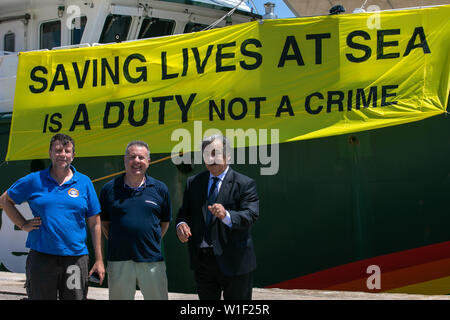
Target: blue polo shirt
x,y
63,211
135,216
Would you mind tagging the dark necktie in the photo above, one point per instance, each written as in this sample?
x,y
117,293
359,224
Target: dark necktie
x,y
212,195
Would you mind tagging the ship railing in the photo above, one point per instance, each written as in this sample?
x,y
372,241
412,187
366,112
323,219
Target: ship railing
x,y
6,53
72,46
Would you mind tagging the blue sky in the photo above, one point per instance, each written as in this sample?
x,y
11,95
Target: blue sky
x,y
281,10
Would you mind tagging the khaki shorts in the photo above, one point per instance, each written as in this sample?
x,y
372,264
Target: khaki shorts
x,y
123,276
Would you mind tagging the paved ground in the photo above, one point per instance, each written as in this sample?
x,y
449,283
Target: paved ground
x,y
12,288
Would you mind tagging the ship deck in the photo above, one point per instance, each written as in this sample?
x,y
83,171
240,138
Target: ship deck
x,y
12,288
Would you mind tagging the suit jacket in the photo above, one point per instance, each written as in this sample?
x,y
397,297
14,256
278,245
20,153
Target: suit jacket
x,y
233,247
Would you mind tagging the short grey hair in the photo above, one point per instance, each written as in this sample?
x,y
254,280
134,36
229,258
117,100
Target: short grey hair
x,y
225,143
138,143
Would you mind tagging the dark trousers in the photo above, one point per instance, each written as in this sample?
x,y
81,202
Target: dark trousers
x,y
49,277
211,282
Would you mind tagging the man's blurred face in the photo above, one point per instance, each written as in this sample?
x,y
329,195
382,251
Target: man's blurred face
x,y
136,160
61,155
214,157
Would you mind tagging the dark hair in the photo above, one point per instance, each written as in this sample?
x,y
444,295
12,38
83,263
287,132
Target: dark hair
x,y
64,139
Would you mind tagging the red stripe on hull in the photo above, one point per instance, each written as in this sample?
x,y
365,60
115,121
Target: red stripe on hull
x,y
333,277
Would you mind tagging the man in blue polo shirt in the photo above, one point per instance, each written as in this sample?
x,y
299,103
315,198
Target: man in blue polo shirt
x,y
61,200
136,212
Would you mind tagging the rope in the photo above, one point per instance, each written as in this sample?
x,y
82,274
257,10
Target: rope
x,y
219,20
123,171
364,4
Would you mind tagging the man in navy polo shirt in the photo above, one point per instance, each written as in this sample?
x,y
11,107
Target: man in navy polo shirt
x,y
62,200
136,212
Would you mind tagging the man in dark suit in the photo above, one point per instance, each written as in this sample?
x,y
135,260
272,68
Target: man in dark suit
x,y
219,208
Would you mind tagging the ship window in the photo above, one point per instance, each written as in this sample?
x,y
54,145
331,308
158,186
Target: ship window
x,y
154,27
50,34
78,25
9,42
194,27
115,25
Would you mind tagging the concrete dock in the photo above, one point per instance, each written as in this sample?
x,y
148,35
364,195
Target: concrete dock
x,y
12,288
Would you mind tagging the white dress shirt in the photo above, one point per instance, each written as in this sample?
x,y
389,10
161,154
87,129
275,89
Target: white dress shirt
x,y
227,218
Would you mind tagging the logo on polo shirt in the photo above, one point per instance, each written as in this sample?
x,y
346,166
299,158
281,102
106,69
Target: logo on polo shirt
x,y
73,192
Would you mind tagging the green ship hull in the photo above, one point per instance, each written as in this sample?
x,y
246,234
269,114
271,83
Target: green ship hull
x,y
364,212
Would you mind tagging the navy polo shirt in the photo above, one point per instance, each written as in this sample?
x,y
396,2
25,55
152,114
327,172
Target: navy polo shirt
x,y
135,216
63,210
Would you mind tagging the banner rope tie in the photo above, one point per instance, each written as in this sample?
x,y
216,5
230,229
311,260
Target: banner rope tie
x,y
152,162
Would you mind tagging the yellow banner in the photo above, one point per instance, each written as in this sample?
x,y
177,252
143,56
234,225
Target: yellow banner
x,y
305,77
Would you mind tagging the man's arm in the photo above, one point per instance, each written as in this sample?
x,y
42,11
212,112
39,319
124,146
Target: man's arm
x,y
94,224
164,227
16,217
248,212
182,227
105,229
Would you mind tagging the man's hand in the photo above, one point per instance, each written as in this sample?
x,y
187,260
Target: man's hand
x,y
32,224
218,210
98,267
95,225
183,232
